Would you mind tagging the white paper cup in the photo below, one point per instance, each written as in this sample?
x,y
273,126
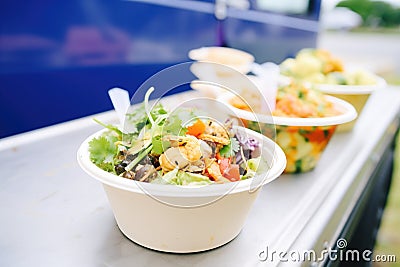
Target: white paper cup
x,y
183,219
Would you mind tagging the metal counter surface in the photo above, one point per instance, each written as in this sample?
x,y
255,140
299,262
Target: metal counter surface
x,y
53,214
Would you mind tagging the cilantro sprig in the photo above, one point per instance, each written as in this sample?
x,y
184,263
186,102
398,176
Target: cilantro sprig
x,y
103,151
230,149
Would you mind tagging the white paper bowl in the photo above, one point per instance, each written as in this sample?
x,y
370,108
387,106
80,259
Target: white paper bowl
x,y
183,219
357,95
207,89
352,89
245,85
302,139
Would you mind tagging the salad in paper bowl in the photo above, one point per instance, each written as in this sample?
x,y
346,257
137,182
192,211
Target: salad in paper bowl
x,y
319,66
179,148
327,73
168,172
302,122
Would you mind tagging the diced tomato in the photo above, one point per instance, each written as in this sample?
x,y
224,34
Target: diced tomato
x,y
224,163
232,173
228,170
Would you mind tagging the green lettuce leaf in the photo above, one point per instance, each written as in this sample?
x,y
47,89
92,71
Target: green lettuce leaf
x,y
178,177
254,166
171,177
192,179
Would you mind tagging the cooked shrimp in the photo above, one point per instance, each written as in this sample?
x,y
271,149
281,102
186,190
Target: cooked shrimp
x,y
172,158
187,152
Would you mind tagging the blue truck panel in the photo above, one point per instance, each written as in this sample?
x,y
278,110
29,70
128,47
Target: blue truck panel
x,y
59,58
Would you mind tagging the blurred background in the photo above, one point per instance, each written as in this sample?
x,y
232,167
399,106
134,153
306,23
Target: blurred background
x,y
367,33
363,32
59,58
